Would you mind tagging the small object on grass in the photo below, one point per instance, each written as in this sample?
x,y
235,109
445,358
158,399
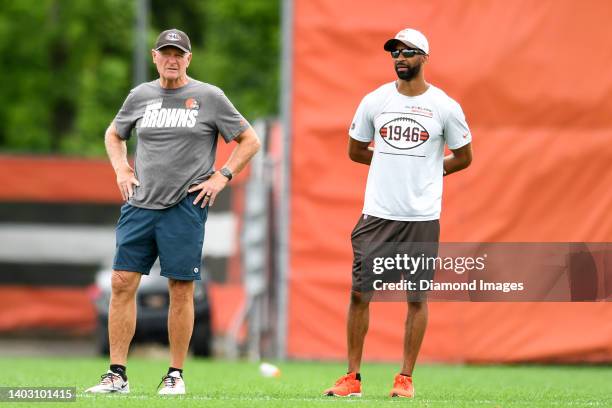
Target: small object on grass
x,y
269,370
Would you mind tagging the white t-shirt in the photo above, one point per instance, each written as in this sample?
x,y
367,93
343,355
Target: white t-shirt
x,y
409,133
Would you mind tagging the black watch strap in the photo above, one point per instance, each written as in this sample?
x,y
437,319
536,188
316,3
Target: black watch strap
x,y
227,173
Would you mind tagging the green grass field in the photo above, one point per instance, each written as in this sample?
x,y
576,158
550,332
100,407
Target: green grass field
x,y
238,384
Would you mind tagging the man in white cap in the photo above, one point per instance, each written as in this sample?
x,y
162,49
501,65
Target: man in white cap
x,y
410,121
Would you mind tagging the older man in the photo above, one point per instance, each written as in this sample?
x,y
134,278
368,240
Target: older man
x,y
177,120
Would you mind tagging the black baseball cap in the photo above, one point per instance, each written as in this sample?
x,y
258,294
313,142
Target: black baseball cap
x,y
173,38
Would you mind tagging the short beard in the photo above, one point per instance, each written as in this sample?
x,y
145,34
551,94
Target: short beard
x,y
410,72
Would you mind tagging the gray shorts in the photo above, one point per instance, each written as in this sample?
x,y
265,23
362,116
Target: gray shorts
x,y
375,237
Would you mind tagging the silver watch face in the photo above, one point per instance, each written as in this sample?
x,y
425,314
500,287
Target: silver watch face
x,y
226,173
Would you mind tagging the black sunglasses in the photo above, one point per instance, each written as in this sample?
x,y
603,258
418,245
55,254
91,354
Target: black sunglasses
x,y
406,53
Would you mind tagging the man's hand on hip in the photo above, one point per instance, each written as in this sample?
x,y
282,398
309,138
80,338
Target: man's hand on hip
x,y
126,180
209,189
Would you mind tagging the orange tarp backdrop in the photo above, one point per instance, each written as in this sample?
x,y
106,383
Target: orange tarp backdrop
x,y
534,81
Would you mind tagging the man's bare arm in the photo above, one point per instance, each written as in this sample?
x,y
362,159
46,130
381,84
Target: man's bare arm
x,y
116,148
360,152
248,145
458,160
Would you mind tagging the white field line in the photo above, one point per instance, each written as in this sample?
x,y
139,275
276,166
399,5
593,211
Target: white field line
x,y
355,400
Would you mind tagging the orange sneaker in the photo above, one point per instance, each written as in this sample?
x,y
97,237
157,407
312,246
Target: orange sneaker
x,y
402,387
346,386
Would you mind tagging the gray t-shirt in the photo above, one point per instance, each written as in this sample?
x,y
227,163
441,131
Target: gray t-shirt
x,y
177,137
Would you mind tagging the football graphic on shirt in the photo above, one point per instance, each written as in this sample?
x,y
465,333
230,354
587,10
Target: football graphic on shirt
x,y
403,133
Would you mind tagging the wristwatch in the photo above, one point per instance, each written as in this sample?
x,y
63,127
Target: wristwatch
x,y
226,172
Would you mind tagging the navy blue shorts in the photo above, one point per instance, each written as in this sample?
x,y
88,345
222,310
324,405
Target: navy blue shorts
x,y
175,234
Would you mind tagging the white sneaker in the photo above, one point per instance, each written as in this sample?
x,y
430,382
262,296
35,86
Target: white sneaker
x,y
110,382
173,384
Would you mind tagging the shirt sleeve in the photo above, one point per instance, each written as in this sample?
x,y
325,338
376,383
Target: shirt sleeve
x,y
228,120
126,118
362,127
456,131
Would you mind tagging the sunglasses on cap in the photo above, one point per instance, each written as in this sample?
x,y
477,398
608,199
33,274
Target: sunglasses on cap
x,y
406,53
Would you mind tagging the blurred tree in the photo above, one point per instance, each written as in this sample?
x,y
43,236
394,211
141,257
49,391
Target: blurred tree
x,y
241,53
67,64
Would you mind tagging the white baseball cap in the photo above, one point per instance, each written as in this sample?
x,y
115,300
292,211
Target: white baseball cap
x,y
409,37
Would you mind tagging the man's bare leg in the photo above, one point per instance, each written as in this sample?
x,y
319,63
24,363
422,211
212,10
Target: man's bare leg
x,y
180,320
414,331
357,328
122,314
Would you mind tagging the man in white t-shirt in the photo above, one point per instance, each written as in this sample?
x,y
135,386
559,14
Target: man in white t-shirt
x,y
410,121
